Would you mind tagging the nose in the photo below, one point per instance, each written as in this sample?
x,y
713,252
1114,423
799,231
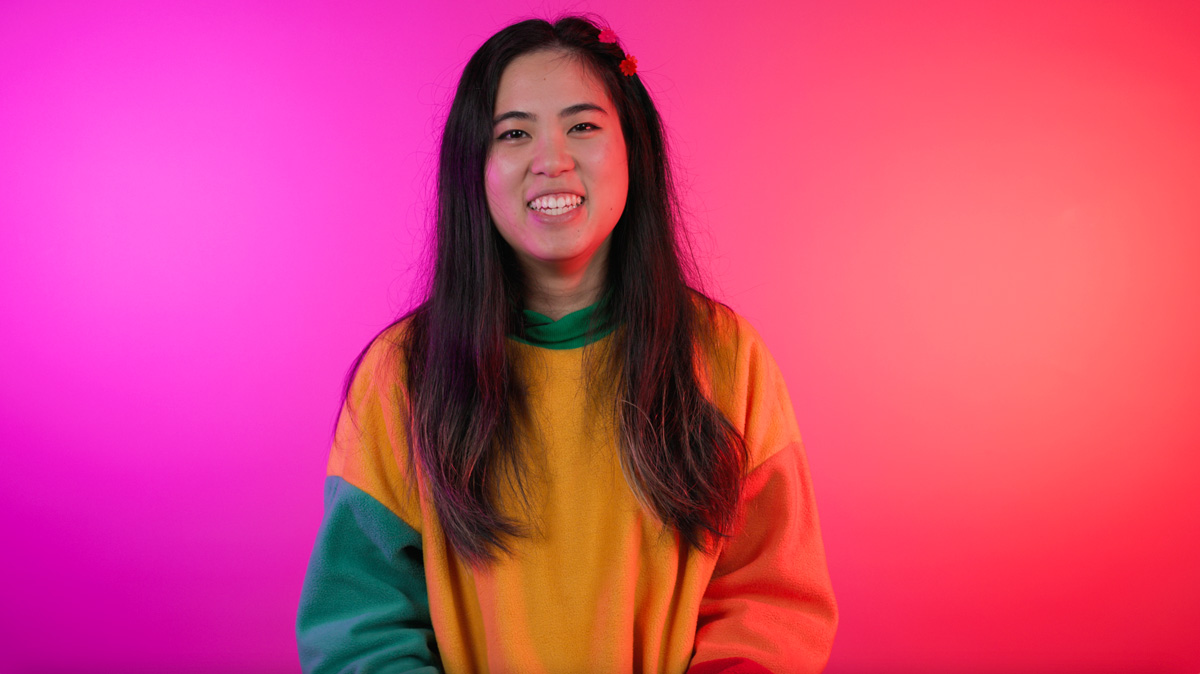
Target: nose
x,y
551,157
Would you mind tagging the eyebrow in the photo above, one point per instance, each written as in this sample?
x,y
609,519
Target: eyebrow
x,y
565,112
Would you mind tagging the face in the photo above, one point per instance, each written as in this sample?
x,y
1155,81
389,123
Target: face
x,y
557,174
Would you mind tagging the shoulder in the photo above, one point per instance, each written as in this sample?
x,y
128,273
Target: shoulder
x,y
381,363
370,444
744,381
728,337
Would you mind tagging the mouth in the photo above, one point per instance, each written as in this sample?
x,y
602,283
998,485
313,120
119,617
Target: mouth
x,y
555,204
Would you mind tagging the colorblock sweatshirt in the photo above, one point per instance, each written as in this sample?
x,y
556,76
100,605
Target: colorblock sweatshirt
x,y
598,585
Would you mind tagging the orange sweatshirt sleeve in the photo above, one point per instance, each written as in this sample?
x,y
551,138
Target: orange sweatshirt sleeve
x,y
769,606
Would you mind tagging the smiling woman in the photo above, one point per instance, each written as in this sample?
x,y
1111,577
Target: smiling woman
x,y
566,459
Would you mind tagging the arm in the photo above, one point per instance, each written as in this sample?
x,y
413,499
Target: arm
x,y
769,606
364,606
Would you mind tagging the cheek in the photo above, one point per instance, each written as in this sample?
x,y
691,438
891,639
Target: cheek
x,y
621,177
494,185
613,172
618,177
503,180
620,167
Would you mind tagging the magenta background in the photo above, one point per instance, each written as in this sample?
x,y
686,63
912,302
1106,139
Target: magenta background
x,y
970,237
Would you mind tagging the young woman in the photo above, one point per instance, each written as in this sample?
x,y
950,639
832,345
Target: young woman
x,y
566,459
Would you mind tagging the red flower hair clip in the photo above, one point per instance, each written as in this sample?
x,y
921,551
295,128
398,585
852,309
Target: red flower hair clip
x,y
629,65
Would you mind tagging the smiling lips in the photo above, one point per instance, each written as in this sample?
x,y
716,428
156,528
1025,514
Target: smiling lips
x,y
555,204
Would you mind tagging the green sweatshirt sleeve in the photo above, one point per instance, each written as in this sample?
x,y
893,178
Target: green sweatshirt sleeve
x,y
364,606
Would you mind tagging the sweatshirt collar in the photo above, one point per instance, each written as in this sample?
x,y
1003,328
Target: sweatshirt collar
x,y
569,332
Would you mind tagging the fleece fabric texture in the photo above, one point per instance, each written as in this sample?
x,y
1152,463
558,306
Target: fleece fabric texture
x,y
597,585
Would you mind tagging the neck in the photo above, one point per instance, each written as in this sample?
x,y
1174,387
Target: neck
x,y
556,290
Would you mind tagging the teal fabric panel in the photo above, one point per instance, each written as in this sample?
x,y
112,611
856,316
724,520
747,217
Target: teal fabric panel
x,y
569,332
364,606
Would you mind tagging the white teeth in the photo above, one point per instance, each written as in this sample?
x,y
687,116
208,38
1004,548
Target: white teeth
x,y
556,204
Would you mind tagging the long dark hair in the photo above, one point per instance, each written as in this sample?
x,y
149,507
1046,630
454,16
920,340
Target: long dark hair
x,y
681,457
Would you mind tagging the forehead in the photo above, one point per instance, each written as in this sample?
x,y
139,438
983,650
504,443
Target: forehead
x,y
550,80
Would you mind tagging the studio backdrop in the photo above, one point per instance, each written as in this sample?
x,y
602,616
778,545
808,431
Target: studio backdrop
x,y
969,233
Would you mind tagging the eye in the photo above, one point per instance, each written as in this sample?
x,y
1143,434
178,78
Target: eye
x,y
585,126
512,134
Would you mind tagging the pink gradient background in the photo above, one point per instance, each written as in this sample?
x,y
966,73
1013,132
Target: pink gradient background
x,y
971,237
